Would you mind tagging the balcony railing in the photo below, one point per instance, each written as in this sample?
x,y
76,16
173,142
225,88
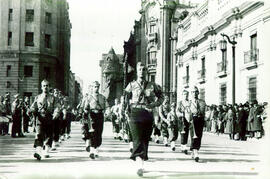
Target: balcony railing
x,y
251,56
222,69
201,76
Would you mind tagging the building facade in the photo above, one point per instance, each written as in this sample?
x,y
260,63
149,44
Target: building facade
x,y
35,45
111,75
155,40
203,57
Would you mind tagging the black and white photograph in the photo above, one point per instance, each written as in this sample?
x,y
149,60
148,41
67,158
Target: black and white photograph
x,y
101,89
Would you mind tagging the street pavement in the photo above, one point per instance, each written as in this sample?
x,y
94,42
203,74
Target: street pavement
x,y
219,158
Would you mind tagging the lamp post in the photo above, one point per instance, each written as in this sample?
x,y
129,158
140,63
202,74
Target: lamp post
x,y
223,46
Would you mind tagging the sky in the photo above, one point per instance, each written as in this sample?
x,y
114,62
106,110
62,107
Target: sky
x,y
98,25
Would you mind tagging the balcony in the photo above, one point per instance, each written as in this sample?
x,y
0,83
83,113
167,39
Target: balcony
x,y
221,69
186,81
152,64
152,37
201,76
250,58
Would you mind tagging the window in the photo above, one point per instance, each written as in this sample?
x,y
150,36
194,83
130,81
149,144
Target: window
x,y
253,41
28,71
48,18
202,94
29,39
47,41
152,78
223,94
224,60
152,57
252,89
10,14
9,38
8,84
29,15
46,72
8,70
152,28
203,67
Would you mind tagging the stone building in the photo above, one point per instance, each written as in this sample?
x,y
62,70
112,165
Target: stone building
x,y
35,45
204,57
111,75
155,38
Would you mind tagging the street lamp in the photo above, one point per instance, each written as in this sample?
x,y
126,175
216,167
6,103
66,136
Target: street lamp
x,y
223,46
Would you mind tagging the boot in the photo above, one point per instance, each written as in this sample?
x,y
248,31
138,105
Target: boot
x,y
54,145
173,146
92,155
87,145
96,152
184,148
131,146
46,152
37,153
140,164
196,155
165,141
157,139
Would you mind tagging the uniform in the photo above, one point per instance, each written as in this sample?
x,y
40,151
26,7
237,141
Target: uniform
x,y
94,107
141,119
115,120
16,109
172,121
163,113
183,113
46,109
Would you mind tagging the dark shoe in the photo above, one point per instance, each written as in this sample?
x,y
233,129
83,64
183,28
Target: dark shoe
x,y
120,138
87,149
140,172
92,156
173,149
131,150
166,145
37,156
126,141
185,152
157,141
197,159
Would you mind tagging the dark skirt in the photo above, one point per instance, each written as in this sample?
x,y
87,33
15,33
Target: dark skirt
x,y
141,126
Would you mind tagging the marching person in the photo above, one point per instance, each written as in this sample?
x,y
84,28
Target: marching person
x,y
182,111
144,96
164,110
172,120
197,112
115,119
95,106
46,109
56,123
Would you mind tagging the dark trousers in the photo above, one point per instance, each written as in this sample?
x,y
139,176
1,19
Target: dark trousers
x,y
68,126
141,126
198,125
116,125
26,120
184,131
16,126
44,133
97,120
63,127
164,129
173,133
56,129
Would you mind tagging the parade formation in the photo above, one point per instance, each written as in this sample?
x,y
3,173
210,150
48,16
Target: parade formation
x,y
143,114
189,70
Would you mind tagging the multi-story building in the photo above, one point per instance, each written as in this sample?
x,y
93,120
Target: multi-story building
x,y
154,39
78,90
34,45
205,57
